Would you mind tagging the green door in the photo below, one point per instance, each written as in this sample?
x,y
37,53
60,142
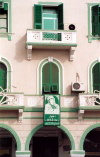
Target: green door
x,y
50,78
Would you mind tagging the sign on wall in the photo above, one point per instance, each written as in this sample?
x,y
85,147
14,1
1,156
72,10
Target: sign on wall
x,y
51,110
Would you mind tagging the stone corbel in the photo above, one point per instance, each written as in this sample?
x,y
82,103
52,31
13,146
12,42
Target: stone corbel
x,y
29,52
80,114
72,51
20,115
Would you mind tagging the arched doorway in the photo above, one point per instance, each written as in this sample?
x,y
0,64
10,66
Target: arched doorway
x,y
50,141
92,143
8,144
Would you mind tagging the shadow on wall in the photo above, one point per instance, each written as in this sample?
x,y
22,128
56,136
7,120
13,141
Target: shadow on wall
x,y
39,54
21,49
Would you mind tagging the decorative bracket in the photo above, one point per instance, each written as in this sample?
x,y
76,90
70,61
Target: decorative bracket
x,y
72,50
20,116
29,52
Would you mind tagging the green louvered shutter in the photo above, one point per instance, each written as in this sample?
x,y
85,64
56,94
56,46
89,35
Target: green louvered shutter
x,y
37,16
55,78
5,6
3,76
95,20
60,17
50,78
46,78
96,77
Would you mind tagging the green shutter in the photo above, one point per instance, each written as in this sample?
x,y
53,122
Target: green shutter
x,y
60,17
5,6
3,76
96,77
50,78
95,20
37,16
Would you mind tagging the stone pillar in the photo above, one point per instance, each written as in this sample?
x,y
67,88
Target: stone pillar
x,y
77,153
23,154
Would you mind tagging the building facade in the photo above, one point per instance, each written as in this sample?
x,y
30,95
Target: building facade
x,y
49,78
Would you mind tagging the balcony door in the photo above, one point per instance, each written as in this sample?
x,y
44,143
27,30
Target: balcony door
x,y
50,19
50,79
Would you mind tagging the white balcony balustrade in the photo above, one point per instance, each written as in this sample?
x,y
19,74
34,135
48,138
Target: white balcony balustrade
x,y
60,39
89,102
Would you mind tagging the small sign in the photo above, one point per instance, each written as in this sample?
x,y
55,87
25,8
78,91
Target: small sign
x,y
51,110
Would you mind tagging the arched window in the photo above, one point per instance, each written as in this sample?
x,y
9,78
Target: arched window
x,y
3,76
96,77
50,79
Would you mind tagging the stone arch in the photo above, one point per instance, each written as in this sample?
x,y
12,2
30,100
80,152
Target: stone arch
x,y
39,74
85,134
17,139
66,131
8,66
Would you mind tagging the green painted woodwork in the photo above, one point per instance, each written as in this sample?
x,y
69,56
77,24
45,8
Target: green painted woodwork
x,y
94,126
92,22
18,142
6,63
39,82
60,17
37,16
34,130
50,78
91,76
52,36
95,20
6,32
96,77
48,18
4,18
3,76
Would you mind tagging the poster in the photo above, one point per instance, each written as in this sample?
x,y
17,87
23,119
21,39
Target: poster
x,y
51,110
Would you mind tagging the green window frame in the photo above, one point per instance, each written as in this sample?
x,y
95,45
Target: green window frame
x,y
38,15
93,21
5,19
96,77
50,79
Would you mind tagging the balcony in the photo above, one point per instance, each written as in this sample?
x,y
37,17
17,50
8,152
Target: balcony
x,y
61,39
89,102
12,101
